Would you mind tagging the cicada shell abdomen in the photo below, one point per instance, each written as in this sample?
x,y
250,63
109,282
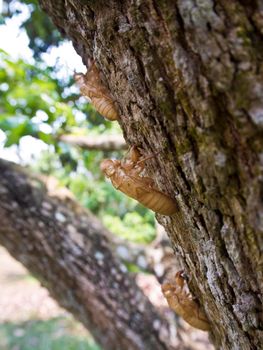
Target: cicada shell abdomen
x,y
92,88
196,317
183,304
105,107
139,188
158,201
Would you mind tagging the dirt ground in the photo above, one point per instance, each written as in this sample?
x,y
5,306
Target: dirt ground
x,y
21,296
30,319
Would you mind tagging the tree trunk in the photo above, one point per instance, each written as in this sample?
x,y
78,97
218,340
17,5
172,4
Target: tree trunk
x,y
188,80
69,251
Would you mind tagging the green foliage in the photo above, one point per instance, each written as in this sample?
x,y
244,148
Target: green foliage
x,y
30,101
133,227
119,213
41,32
36,101
54,334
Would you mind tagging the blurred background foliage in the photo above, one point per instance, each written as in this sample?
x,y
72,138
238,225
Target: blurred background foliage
x,y
39,101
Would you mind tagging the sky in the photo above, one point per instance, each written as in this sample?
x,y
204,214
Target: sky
x,y
14,41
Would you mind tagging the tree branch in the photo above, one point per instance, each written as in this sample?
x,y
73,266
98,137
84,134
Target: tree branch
x,y
69,250
99,142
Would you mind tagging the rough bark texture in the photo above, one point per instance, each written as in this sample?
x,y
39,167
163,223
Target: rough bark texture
x,y
69,251
188,79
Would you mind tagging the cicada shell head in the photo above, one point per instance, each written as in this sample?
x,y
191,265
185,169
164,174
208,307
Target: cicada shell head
x,y
93,75
179,279
79,78
108,166
81,82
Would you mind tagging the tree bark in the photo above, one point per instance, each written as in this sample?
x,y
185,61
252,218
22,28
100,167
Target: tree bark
x,y
188,79
68,249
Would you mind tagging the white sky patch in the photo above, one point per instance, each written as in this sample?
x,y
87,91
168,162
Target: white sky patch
x,y
79,116
10,153
46,128
14,41
66,57
41,116
29,149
